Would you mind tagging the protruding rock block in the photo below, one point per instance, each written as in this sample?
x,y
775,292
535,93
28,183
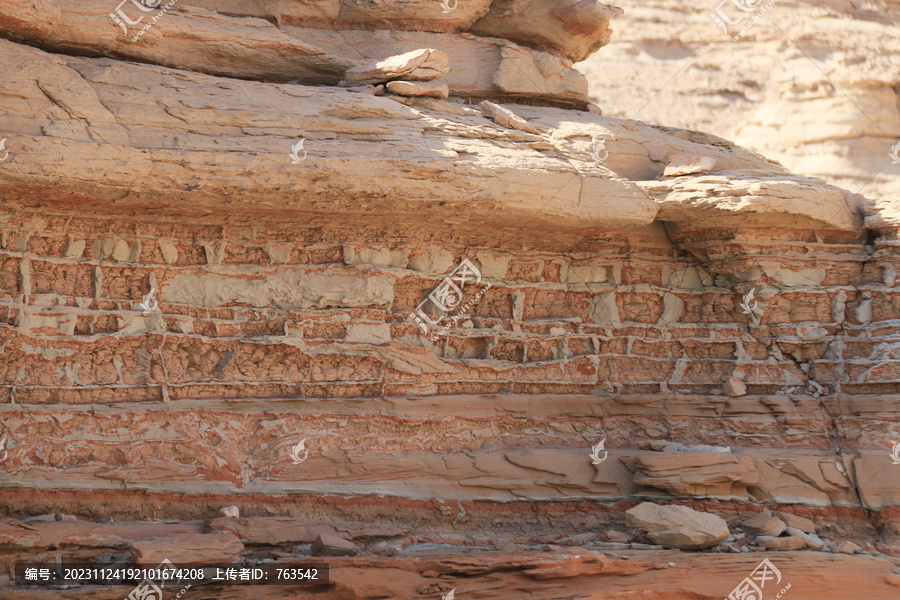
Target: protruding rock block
x,y
331,545
418,90
425,64
573,29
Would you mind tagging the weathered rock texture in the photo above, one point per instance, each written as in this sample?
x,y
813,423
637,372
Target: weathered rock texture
x,y
287,233
813,84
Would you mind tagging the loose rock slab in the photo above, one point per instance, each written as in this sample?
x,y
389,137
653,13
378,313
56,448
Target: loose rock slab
x,y
506,118
331,545
685,164
188,549
425,64
677,526
407,88
734,387
764,524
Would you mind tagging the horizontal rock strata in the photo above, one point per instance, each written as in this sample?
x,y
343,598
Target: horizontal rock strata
x,y
227,282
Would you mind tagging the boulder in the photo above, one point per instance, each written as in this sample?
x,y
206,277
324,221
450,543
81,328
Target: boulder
x,y
733,386
331,545
677,526
801,523
764,524
846,548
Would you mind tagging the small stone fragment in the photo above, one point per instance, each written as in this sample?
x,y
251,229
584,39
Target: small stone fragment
x,y
506,118
593,108
331,545
893,579
611,535
764,524
579,539
372,90
734,387
424,64
781,543
812,541
685,164
507,546
418,90
847,548
231,511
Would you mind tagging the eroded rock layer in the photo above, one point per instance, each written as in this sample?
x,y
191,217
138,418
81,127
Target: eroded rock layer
x,y
207,298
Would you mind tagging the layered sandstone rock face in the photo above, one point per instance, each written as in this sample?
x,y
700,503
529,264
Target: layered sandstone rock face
x,y
813,84
225,339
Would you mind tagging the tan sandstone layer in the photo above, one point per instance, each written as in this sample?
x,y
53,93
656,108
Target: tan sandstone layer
x,y
812,84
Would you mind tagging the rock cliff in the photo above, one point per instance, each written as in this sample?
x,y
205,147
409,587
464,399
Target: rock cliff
x,y
250,311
